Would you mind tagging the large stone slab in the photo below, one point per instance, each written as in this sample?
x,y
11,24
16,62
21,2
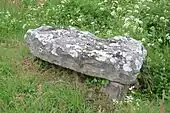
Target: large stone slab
x,y
117,59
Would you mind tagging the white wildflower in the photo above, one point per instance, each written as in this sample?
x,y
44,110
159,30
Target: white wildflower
x,y
160,40
134,28
143,39
140,22
149,35
119,9
105,0
113,13
166,20
116,2
101,8
100,3
109,32
144,5
13,20
63,1
162,18
147,14
131,17
132,92
136,20
126,25
152,28
92,23
168,37
71,21
156,16
130,11
136,11
126,19
136,6
8,13
23,27
137,103
129,98
132,87
126,34
96,32
140,29
79,19
113,7
166,11
151,44
115,101
148,8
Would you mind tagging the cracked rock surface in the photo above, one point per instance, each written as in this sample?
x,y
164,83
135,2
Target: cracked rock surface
x,y
117,59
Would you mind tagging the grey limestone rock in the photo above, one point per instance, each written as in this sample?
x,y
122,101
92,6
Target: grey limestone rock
x,y
117,59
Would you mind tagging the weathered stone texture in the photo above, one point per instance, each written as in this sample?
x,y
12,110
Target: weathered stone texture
x,y
117,59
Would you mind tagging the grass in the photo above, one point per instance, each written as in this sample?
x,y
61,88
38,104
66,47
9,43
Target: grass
x,y
31,86
24,90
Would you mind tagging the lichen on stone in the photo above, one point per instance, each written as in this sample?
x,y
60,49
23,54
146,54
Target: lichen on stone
x,y
114,58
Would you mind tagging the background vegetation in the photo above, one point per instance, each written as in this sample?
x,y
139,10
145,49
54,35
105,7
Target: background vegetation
x,y
31,87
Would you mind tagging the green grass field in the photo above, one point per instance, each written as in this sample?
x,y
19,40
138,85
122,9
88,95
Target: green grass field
x,y
32,86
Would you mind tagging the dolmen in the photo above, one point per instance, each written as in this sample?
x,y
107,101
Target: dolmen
x,y
117,59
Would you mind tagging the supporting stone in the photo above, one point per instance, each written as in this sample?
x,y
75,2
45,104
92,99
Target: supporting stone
x,y
115,90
